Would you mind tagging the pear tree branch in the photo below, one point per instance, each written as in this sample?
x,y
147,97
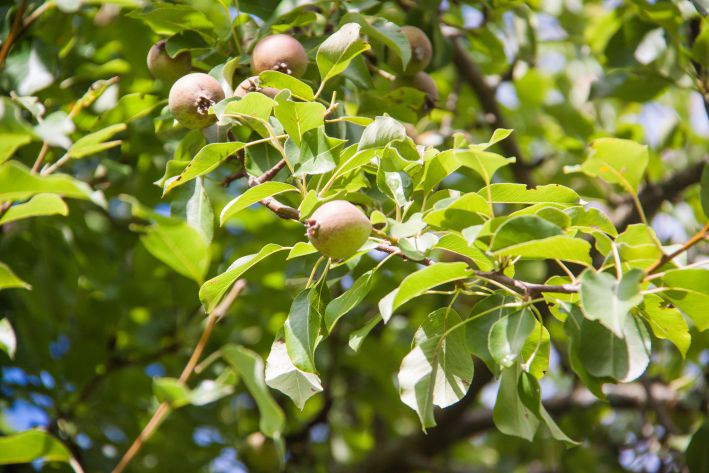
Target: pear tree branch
x,y
164,408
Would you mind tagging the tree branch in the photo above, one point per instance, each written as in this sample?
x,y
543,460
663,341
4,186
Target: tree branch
x,y
666,258
15,30
472,74
395,458
164,408
651,196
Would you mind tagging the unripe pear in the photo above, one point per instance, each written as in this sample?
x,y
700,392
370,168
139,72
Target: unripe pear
x,y
190,98
421,52
279,52
252,84
338,229
167,68
260,454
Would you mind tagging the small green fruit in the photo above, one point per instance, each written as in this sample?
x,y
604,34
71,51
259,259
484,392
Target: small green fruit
x,y
338,229
260,454
252,84
167,68
279,52
190,98
421,52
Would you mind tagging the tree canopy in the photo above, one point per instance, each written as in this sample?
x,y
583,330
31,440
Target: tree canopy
x,y
354,236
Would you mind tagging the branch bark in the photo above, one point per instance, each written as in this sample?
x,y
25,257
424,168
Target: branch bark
x,y
651,196
472,74
164,408
462,425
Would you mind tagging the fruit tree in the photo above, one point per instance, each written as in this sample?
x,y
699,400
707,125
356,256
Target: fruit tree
x,y
354,236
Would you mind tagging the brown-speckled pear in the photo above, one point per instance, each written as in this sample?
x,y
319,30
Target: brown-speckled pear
x,y
167,68
421,51
190,99
279,52
338,229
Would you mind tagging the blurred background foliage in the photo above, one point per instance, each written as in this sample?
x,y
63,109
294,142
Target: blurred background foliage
x,y
104,316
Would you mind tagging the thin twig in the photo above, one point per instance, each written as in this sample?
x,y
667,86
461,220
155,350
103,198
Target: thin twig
x,y
13,34
164,408
699,236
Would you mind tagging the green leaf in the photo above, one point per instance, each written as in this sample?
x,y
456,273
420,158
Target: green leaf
x,y
318,153
531,395
213,290
283,375
298,117
421,281
438,167
200,215
349,299
461,213
457,244
302,328
357,337
507,336
533,237
8,340
510,414
538,344
206,161
209,390
37,206
96,141
172,391
383,131
32,445
129,107
301,249
572,326
604,354
250,367
253,105
252,196
338,50
520,194
690,292
666,322
477,328
617,161
178,245
9,280
55,129
704,193
18,183
385,32
437,371
14,131
608,300
484,163
697,453
638,246
590,219
282,81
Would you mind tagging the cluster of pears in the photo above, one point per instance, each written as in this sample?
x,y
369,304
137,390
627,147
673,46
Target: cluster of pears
x,y
337,228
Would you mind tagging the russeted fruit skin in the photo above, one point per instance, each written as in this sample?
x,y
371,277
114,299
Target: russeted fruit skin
x,y
167,68
421,51
252,85
190,98
260,454
279,52
338,229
